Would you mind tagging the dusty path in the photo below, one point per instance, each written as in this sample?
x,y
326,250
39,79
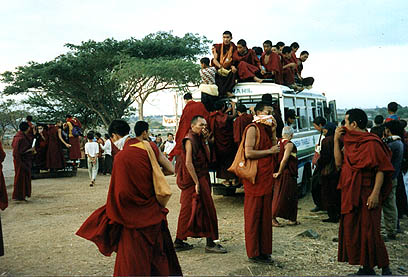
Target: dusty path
x,y
40,240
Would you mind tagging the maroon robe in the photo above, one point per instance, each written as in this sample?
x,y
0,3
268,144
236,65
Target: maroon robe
x,y
258,200
22,166
248,65
288,74
132,222
55,156
224,147
191,110
329,192
41,149
225,83
294,59
273,64
185,182
285,199
360,241
3,195
3,190
240,124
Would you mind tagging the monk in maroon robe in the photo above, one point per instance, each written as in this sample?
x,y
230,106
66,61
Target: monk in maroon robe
x,y
23,156
241,122
288,66
221,127
258,196
285,200
365,181
307,81
271,63
191,110
41,146
3,190
329,175
132,222
55,155
198,217
222,61
3,195
248,65
75,149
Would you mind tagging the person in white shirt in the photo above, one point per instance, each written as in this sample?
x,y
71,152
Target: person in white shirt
x,y
91,152
107,149
169,144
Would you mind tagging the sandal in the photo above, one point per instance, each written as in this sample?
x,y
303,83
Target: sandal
x,y
293,223
275,223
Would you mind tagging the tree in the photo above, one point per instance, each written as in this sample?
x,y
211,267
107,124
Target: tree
x,y
139,78
104,79
11,115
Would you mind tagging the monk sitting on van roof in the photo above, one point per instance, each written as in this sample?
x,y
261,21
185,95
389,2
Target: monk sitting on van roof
x,y
247,63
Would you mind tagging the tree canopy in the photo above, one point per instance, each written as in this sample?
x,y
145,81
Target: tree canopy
x,y
100,81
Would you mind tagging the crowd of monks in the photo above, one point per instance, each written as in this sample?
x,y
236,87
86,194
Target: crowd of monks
x,y
42,145
275,63
133,221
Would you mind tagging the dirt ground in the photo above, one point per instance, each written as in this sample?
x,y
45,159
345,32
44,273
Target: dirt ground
x,y
39,236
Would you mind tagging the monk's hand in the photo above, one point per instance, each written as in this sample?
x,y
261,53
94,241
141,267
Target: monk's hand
x,y
197,188
372,201
274,149
263,72
339,132
276,175
68,145
205,133
233,69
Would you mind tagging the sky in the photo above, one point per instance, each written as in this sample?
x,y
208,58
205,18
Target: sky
x,y
358,49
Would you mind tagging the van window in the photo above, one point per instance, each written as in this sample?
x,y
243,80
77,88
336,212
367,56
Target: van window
x,y
302,121
289,102
319,108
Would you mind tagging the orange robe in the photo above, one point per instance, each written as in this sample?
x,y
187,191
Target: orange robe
x,y
188,198
285,200
360,241
258,201
132,222
225,83
22,166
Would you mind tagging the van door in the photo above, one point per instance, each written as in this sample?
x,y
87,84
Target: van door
x,y
333,111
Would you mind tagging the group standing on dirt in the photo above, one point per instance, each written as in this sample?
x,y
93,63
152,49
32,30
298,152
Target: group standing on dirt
x,y
356,173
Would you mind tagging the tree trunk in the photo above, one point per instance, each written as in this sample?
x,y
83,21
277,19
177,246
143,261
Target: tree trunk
x,y
140,110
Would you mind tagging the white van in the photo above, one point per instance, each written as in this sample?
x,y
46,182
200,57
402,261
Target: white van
x,y
307,104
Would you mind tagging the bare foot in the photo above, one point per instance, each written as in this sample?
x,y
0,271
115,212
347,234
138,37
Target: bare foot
x,y
293,223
